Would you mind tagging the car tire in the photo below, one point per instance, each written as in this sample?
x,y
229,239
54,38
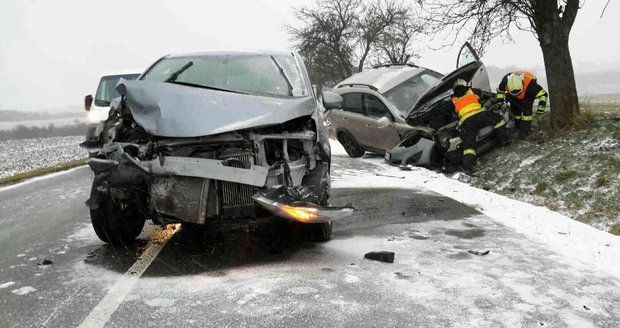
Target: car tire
x,y
117,222
350,145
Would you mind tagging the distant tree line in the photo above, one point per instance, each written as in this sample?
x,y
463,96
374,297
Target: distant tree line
x,y
26,132
13,115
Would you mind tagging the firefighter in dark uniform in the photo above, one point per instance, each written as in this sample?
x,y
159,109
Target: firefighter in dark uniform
x,y
520,89
472,118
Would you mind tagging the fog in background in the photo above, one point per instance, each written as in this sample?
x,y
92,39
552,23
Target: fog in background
x,y
52,53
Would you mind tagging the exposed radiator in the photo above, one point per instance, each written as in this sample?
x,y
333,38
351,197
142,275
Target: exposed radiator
x,y
236,194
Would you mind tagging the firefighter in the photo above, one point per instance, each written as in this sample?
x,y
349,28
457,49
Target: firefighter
x,y
520,89
473,117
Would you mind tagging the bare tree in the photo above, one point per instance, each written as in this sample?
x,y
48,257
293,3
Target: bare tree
x,y
337,37
396,41
549,20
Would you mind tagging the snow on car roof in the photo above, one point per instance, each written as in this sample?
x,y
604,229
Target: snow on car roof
x,y
383,78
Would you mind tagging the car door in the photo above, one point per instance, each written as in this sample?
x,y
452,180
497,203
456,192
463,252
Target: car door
x,y
468,55
351,116
378,134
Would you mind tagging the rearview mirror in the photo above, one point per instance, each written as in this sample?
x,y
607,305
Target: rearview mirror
x,y
88,102
332,100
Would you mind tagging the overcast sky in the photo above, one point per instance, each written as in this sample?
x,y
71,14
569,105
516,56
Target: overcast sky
x,y
53,52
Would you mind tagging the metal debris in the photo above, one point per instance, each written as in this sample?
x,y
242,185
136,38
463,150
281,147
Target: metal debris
x,y
45,262
382,256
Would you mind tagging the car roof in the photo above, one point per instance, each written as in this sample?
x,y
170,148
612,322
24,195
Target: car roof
x,y
232,53
382,78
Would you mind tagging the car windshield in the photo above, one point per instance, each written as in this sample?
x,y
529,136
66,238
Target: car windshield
x,y
406,94
106,90
277,75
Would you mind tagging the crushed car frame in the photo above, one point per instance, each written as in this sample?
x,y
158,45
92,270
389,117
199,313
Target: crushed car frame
x,y
217,135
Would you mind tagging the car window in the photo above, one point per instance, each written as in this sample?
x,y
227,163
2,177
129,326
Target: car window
x,y
376,108
352,102
106,91
406,94
466,55
260,74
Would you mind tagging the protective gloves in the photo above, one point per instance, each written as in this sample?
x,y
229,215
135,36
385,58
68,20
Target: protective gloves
x,y
540,110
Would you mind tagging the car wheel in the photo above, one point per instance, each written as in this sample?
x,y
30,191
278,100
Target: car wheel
x,y
117,222
350,145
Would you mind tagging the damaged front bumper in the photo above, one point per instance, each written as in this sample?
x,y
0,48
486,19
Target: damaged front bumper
x,y
190,189
294,204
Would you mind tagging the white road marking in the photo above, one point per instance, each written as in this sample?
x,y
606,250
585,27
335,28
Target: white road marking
x,y
42,177
100,315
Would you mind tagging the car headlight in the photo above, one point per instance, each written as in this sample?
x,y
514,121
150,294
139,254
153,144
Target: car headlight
x,y
96,116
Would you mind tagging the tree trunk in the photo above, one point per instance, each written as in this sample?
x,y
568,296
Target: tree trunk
x,y
561,80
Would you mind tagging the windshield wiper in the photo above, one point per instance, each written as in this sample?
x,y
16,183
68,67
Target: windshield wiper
x,y
173,76
288,82
206,87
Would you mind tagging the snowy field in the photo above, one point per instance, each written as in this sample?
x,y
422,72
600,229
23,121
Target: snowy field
x,y
57,122
17,156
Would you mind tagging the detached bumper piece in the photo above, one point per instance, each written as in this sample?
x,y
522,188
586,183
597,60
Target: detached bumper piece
x,y
288,203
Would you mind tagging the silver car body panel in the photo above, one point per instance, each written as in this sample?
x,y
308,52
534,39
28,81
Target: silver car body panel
x,y
170,110
208,169
382,78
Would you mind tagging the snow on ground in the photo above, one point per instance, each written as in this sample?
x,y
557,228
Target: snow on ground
x,y
576,174
24,155
571,239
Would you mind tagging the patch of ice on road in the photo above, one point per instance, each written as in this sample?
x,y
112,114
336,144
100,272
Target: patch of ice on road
x,y
351,279
84,232
24,290
529,161
160,302
7,284
301,290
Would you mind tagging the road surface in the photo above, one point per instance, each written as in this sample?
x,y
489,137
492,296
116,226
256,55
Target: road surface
x,y
248,275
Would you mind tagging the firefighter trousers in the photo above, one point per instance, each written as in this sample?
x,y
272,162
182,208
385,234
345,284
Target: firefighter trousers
x,y
469,132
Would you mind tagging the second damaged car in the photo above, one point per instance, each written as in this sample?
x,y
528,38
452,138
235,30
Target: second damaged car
x,y
214,136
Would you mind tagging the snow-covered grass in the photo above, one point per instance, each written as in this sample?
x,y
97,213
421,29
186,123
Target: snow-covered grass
x,y
572,239
576,173
25,155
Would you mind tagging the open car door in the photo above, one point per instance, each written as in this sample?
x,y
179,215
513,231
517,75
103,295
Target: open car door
x,y
468,55
469,68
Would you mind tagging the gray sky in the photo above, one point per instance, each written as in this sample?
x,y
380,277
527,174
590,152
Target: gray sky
x,y
53,52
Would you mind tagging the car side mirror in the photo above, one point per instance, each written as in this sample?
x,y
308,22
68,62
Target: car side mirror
x,y
384,122
88,102
332,100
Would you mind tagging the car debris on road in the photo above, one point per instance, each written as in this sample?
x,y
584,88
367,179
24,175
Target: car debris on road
x,y
382,256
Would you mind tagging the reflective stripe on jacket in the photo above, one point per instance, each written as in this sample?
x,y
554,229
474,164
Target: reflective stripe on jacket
x,y
526,77
467,105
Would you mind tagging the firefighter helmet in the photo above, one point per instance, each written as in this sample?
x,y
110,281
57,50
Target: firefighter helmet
x,y
460,82
515,84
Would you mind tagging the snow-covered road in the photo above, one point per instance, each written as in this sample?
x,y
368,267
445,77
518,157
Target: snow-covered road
x,y
541,270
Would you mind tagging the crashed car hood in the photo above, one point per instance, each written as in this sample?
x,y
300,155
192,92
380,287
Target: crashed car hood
x,y
172,110
465,72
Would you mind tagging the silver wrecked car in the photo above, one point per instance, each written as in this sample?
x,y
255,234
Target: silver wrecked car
x,y
217,135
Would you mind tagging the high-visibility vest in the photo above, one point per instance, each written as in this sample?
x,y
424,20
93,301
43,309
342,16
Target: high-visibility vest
x,y
526,77
467,105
